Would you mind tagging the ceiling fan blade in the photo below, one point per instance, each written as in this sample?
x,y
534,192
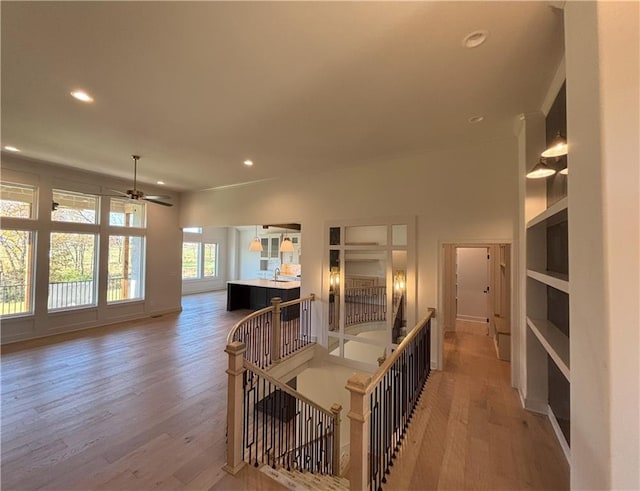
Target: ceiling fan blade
x,y
157,196
118,193
157,202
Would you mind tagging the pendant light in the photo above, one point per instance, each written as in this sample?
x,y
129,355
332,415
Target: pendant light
x,y
540,170
558,147
256,243
286,245
565,171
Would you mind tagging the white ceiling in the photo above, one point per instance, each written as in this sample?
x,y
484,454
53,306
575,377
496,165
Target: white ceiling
x,y
196,88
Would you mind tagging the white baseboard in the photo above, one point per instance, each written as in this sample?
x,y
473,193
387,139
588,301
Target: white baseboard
x,y
521,395
559,435
536,406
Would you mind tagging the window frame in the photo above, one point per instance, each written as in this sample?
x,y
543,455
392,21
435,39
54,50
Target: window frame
x,y
96,210
96,270
125,201
143,265
34,206
30,277
200,261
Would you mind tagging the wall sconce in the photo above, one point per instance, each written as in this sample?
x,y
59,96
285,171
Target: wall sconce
x,y
540,170
256,243
286,245
334,278
399,281
558,147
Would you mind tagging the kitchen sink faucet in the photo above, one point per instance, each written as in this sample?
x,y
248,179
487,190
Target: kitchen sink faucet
x,y
276,273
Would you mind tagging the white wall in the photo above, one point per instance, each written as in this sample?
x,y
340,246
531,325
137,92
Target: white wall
x,y
473,278
440,188
249,260
211,235
603,101
163,254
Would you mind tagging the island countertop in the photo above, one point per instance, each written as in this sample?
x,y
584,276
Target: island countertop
x,y
281,285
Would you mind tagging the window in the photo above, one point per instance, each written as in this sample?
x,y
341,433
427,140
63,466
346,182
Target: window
x,y
16,272
126,268
190,260
127,213
192,230
74,207
17,200
72,267
199,260
210,263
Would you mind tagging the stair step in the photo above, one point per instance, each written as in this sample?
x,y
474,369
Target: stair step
x,y
305,481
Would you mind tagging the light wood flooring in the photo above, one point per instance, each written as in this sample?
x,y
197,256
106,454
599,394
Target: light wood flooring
x,y
469,430
142,405
136,406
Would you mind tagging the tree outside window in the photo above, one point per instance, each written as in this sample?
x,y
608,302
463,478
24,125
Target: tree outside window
x,y
74,207
190,260
16,266
72,266
199,260
210,265
17,200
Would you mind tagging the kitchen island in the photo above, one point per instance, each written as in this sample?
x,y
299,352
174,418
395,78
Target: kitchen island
x,y
257,294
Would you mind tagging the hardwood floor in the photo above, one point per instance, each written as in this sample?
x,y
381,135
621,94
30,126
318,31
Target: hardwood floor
x,y
469,430
142,405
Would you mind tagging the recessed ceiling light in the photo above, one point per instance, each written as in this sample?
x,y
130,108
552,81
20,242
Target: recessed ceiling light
x,y
475,39
248,163
476,119
160,182
11,148
81,95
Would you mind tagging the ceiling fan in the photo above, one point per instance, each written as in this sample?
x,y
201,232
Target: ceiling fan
x,y
136,194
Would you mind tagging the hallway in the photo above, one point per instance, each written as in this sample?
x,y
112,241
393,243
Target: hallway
x,y
471,432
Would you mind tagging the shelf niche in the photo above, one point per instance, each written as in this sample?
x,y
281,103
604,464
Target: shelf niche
x,y
548,288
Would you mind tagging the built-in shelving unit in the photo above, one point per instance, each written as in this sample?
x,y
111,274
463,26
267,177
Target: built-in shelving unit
x,y
559,281
554,210
554,341
548,288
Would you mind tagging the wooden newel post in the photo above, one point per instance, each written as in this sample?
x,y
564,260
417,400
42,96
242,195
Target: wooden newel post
x,y
359,414
275,339
234,407
336,409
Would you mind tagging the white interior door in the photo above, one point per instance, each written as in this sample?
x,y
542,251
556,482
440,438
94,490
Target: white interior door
x,y
472,281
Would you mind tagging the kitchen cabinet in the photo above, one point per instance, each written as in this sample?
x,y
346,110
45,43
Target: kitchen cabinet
x,y
257,294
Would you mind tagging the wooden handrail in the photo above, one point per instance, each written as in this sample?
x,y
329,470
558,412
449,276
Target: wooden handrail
x,y
311,297
285,388
257,313
388,363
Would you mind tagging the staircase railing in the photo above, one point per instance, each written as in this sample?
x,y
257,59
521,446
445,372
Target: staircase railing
x,y
382,407
269,422
274,332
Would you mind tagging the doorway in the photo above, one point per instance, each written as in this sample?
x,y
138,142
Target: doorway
x,y
476,292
